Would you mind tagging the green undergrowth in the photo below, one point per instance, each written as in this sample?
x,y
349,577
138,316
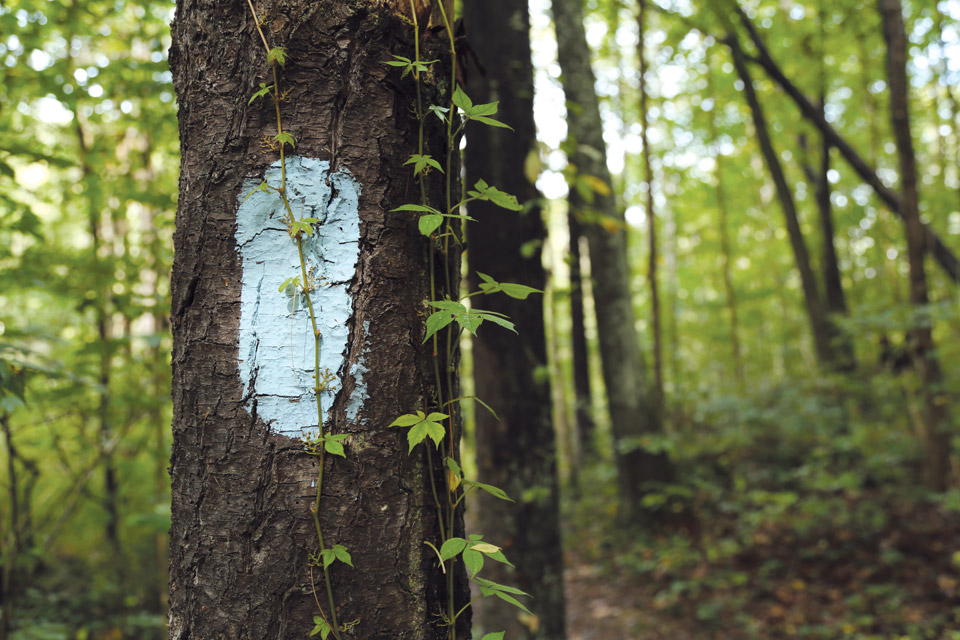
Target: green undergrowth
x,y
798,514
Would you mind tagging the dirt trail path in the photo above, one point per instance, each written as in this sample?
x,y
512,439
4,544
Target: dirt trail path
x,y
604,607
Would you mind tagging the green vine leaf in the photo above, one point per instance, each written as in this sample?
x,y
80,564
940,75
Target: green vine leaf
x,y
483,191
496,492
453,466
263,186
264,90
493,636
421,162
478,112
283,138
278,55
452,547
473,561
320,627
291,281
518,291
408,419
342,554
417,207
422,426
334,447
409,65
505,593
441,112
462,101
491,122
468,319
429,223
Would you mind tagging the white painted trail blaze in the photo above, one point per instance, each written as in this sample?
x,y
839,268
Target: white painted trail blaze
x,y
276,344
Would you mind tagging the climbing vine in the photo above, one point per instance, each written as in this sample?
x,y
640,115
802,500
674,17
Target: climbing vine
x,y
445,325
318,443
442,225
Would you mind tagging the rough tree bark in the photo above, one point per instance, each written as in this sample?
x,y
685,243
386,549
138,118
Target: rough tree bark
x,y
936,439
518,452
633,410
243,488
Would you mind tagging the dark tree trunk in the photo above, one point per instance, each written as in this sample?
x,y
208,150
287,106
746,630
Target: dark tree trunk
x,y
633,410
651,215
936,440
518,452
835,302
818,323
941,252
583,395
243,487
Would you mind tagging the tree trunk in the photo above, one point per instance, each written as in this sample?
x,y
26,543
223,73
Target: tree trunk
x,y
835,302
941,252
583,395
633,410
242,531
651,216
936,440
818,323
518,452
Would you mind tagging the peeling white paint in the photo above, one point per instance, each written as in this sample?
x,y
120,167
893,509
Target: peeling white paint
x,y
276,344
357,371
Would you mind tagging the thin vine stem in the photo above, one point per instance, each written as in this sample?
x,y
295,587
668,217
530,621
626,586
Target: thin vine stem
x,y
318,384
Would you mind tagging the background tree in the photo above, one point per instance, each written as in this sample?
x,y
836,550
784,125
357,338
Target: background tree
x,y
633,410
516,452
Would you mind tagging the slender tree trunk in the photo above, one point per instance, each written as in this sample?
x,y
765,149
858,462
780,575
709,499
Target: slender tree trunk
x,y
9,542
815,314
943,255
244,490
936,439
835,302
633,409
583,395
518,452
726,245
651,214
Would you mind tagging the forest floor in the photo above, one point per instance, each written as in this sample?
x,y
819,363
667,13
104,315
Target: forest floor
x,y
898,579
605,607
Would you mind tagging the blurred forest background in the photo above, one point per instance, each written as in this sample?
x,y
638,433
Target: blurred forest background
x,y
809,390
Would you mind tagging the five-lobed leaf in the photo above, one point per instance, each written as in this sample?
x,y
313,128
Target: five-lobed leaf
x,y
422,427
283,138
278,55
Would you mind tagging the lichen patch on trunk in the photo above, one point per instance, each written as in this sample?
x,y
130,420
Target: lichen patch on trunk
x,y
276,343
